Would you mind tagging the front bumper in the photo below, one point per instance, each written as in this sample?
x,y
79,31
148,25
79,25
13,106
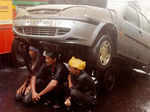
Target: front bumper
x,y
59,30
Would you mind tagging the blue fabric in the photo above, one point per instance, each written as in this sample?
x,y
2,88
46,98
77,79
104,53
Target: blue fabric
x,y
33,49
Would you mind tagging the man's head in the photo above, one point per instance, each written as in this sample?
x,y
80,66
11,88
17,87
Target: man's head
x,y
33,52
50,58
76,65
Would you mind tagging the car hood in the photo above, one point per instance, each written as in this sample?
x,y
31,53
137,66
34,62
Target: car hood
x,y
70,11
60,7
75,11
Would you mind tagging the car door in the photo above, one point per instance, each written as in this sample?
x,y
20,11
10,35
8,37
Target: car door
x,y
130,41
145,30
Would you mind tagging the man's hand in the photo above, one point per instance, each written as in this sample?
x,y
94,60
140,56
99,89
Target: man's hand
x,y
51,85
22,89
35,96
28,89
68,102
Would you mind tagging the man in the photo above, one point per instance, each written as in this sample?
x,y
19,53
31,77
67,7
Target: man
x,y
48,83
35,62
81,86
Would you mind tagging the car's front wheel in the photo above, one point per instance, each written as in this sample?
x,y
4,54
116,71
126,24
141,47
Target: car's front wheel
x,y
105,52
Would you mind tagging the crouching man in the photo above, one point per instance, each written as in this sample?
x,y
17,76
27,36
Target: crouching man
x,y
81,86
35,63
47,84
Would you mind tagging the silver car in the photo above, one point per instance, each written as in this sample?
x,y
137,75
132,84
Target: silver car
x,y
101,36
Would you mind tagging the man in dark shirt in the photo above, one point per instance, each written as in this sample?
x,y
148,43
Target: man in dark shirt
x,y
48,83
82,89
35,62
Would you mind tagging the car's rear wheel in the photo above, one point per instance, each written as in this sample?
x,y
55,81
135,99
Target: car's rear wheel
x,y
109,80
105,52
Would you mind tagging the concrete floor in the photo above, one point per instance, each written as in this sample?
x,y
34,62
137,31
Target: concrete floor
x,y
132,94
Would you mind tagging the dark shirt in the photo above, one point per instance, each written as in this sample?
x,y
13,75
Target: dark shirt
x,y
37,64
34,66
83,82
48,73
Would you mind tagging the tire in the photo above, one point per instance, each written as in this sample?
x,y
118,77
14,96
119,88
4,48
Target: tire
x,y
105,52
109,80
17,53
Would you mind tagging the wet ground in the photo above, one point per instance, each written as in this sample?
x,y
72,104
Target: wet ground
x,y
132,94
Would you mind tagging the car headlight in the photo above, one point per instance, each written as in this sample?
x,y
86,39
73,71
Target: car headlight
x,y
21,12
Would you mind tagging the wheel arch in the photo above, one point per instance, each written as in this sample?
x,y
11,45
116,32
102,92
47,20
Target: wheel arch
x,y
106,28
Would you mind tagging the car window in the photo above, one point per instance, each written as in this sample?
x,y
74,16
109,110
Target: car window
x,y
130,15
145,23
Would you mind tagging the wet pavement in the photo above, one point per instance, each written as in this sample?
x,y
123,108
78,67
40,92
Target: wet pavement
x,y
10,79
132,94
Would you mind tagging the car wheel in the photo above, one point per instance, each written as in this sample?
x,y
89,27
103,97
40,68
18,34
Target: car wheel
x,y
18,48
105,52
109,80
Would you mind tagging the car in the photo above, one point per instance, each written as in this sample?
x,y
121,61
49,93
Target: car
x,y
100,36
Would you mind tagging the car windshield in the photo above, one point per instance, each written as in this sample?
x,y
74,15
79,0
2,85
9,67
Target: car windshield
x,y
98,3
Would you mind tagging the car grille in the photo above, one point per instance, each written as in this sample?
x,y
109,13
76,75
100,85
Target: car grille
x,y
43,31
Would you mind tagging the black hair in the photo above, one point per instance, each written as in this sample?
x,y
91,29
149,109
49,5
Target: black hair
x,y
52,54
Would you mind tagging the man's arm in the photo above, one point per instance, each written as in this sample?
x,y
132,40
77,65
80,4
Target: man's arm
x,y
51,85
67,102
35,73
37,62
35,95
22,88
33,84
26,82
69,81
